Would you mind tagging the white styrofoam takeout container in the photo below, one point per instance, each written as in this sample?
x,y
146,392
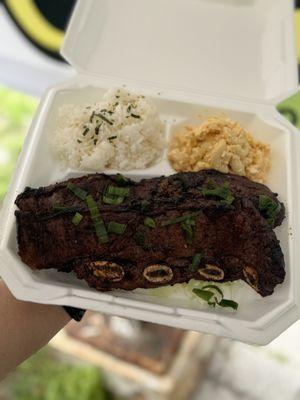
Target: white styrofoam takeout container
x,y
195,58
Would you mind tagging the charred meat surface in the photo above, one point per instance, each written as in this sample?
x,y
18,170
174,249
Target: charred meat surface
x,y
182,190
155,230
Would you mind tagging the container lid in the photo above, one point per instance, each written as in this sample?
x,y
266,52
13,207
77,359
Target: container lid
x,y
240,48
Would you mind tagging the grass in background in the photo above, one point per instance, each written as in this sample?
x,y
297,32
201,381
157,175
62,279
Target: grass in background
x,y
16,112
44,377
290,108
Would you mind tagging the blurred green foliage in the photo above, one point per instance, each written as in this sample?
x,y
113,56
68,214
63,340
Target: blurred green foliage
x,y
43,377
16,111
290,108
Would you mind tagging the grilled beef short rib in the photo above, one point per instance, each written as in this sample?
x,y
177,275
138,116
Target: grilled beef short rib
x,y
235,240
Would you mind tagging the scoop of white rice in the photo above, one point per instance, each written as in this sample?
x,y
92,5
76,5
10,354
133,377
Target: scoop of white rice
x,y
123,131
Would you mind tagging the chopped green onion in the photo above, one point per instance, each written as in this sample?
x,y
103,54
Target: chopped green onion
x,y
121,179
104,118
189,232
113,200
77,219
212,300
196,262
268,208
117,191
203,294
219,292
92,116
180,219
189,227
115,195
222,192
112,138
228,303
135,116
97,220
149,222
215,288
84,133
59,208
82,194
145,205
115,227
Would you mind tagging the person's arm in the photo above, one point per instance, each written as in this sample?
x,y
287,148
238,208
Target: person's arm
x,y
25,328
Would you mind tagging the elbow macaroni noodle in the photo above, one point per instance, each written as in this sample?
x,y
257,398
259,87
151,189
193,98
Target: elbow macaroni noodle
x,y
221,144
